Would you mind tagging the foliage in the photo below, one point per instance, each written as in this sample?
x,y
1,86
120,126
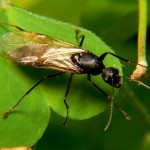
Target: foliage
x,y
116,23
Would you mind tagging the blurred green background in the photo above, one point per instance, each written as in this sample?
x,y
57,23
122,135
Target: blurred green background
x,y
116,22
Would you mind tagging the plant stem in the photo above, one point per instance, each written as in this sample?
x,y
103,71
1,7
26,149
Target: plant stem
x,y
140,71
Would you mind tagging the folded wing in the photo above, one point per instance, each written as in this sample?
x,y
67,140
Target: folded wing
x,y
37,50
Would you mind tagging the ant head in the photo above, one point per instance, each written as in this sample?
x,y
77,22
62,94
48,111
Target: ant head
x,y
111,76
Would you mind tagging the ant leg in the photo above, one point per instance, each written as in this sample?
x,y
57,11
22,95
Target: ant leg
x,y
65,97
97,87
79,36
4,115
110,99
2,23
101,58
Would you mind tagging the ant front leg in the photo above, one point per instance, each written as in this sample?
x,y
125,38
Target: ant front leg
x,y
82,37
101,58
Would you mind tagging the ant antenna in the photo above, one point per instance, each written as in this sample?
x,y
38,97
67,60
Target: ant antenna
x,y
122,111
110,114
138,82
111,109
112,103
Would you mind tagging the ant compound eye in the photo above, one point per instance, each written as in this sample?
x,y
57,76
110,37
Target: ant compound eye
x,y
111,76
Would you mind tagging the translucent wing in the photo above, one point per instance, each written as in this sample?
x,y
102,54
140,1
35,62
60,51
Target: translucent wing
x,y
33,49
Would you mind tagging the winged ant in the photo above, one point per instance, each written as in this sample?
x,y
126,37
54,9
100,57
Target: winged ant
x,y
40,53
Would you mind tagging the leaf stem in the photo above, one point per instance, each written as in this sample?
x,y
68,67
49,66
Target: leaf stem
x,y
140,71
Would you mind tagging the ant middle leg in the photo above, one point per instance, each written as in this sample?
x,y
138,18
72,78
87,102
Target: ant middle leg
x,y
82,37
65,98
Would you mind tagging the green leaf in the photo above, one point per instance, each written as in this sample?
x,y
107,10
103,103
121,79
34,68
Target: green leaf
x,y
27,123
33,113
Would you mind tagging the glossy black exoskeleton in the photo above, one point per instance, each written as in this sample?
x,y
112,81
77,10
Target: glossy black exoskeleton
x,y
93,65
79,61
